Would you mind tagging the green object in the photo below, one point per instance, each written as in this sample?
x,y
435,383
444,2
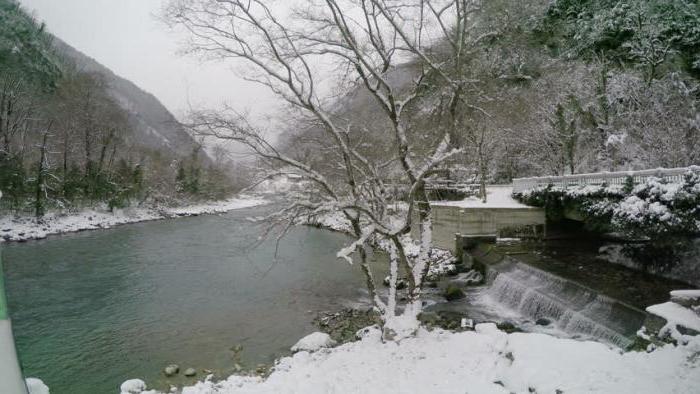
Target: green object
x,y
453,293
3,300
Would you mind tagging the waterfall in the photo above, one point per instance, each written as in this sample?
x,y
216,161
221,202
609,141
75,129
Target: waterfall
x,y
573,308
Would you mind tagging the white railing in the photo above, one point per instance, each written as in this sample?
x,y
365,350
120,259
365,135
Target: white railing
x,y
610,178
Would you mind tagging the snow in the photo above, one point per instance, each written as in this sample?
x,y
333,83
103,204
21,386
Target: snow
x,y
217,207
496,197
335,221
313,342
27,228
133,386
676,315
685,294
482,361
36,386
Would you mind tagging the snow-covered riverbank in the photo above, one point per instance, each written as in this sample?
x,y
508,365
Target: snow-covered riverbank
x,y
28,228
482,361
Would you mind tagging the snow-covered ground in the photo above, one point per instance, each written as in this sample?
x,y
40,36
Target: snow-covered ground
x,y
483,361
496,197
334,222
27,228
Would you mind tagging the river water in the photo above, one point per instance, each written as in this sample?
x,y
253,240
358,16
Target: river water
x,y
93,309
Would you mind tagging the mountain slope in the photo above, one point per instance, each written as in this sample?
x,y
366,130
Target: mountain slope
x,y
155,127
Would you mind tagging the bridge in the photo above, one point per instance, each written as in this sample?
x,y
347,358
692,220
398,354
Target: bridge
x,y
599,178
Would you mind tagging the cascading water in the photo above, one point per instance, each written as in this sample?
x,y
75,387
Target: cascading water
x,y
573,308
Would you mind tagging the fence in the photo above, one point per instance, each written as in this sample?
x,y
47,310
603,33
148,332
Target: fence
x,y
610,178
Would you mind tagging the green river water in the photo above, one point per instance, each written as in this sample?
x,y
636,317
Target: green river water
x,y
93,309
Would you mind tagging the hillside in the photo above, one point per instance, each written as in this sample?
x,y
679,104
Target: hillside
x,y
155,127
74,134
558,87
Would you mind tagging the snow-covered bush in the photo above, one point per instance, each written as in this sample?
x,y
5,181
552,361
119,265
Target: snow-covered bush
x,y
655,207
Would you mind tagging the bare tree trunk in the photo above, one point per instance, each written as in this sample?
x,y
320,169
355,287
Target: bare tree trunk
x,y
40,186
103,151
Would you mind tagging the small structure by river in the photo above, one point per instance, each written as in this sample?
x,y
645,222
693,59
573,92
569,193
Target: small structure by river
x,y
583,295
472,217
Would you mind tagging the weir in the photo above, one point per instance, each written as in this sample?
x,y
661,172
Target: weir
x,y
573,308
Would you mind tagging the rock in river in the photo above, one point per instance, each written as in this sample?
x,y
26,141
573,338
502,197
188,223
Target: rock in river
x,y
190,372
171,370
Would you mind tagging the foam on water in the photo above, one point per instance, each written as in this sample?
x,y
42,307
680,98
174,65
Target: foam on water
x,y
573,308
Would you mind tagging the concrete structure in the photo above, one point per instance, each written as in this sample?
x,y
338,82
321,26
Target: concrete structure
x,y
557,297
500,216
448,221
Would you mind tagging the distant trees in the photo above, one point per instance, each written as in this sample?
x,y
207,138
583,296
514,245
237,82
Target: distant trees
x,y
614,88
65,141
647,34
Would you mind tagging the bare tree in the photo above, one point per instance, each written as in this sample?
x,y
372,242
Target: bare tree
x,y
41,174
16,108
367,40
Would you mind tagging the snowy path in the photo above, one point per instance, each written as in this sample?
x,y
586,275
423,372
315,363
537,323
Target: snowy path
x,y
497,196
27,228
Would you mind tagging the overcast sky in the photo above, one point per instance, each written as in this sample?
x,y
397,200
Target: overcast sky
x,y
125,36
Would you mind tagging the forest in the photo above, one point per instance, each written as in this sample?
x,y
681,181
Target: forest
x,y
69,141
547,88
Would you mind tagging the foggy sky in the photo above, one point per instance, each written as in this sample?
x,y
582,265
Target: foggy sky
x,y
126,37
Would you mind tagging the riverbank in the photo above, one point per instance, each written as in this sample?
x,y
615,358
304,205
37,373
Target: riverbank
x,y
485,360
20,229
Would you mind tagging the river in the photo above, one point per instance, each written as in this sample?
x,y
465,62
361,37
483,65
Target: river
x,y
93,309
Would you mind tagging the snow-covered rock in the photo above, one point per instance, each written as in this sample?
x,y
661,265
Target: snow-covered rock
x,y
133,386
687,298
189,372
171,370
679,320
313,342
36,386
370,333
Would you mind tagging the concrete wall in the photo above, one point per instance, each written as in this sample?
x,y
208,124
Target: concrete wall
x,y
449,220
